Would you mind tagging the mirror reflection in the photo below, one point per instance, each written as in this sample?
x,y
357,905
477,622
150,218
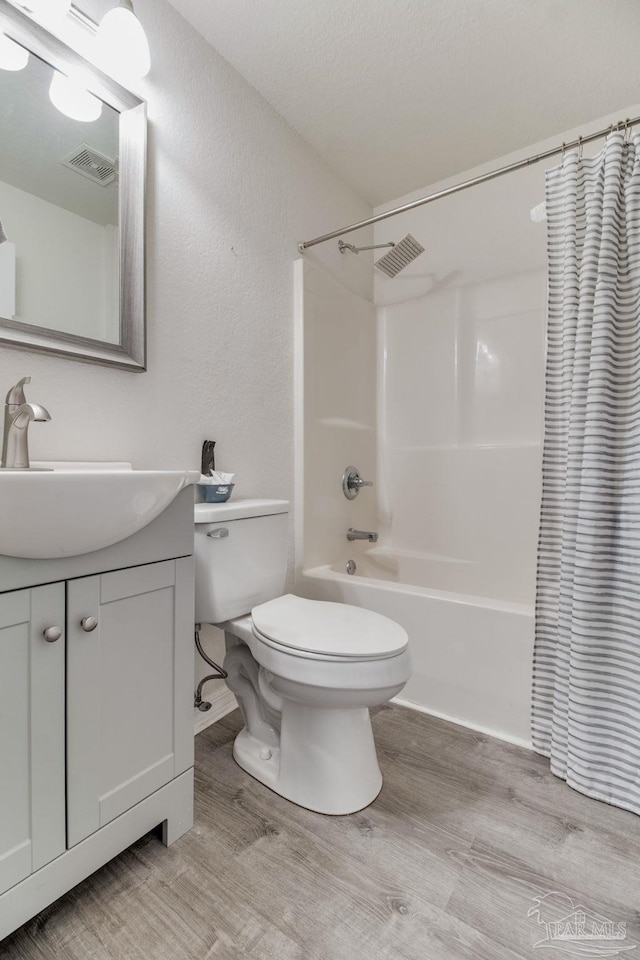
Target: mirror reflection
x,y
59,256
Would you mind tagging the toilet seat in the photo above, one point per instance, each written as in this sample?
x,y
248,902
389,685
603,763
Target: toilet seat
x,y
318,628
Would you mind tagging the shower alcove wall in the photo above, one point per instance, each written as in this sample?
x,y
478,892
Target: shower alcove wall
x,y
413,399
436,393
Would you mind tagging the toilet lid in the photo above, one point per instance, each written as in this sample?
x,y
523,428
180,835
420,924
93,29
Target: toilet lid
x,y
333,629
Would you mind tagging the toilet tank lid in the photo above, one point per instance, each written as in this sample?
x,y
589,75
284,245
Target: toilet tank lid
x,y
238,510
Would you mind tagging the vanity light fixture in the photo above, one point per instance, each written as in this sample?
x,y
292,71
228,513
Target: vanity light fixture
x,y
73,100
12,55
121,43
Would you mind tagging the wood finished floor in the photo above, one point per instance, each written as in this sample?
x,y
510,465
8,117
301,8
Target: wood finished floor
x,y
444,865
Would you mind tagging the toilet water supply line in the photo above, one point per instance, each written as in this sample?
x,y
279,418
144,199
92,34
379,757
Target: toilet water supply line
x,y
220,674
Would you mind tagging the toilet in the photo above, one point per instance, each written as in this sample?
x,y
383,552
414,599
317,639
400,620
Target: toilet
x,y
304,672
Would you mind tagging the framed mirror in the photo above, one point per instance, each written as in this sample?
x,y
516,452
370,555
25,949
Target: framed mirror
x,y
72,204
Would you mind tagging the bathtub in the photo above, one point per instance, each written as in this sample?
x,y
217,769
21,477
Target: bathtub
x,y
470,630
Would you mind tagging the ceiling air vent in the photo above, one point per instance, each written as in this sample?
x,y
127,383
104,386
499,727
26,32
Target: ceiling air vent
x,y
92,164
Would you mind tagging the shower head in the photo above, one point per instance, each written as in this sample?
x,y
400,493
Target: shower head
x,y
400,256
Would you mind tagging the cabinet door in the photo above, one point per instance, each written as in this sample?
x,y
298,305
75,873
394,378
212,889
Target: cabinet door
x,y
129,689
32,815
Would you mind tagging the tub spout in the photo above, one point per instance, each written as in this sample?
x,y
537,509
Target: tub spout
x,y
362,535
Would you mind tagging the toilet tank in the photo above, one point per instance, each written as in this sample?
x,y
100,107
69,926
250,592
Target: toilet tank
x,y
241,556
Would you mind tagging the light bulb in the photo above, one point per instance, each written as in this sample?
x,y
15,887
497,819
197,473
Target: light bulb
x,y
12,55
121,43
47,9
73,100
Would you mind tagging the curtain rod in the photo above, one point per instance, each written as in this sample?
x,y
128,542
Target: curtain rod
x,y
519,164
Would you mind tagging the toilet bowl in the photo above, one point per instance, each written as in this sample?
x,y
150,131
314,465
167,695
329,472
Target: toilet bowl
x,y
304,672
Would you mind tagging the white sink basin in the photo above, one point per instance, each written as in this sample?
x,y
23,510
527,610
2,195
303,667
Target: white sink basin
x,y
66,509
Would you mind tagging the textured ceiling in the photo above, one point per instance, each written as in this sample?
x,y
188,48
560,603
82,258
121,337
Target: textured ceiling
x,y
397,94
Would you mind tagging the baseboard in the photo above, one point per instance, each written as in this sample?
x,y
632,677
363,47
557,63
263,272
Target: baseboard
x,y
496,734
222,702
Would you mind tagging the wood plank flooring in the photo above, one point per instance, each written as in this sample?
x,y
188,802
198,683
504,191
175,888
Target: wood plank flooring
x,y
444,865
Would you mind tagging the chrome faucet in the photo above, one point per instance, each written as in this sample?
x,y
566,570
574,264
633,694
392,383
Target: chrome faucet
x,y
18,414
362,535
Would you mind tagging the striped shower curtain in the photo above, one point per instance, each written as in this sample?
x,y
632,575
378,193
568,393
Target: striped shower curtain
x,y
586,689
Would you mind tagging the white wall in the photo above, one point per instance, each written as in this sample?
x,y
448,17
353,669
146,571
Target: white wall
x,y
232,189
63,265
7,279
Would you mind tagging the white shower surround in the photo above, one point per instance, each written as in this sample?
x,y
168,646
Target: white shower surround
x,y
438,399
449,424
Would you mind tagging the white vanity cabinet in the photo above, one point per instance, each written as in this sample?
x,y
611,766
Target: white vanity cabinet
x,y
123,738
32,747
96,708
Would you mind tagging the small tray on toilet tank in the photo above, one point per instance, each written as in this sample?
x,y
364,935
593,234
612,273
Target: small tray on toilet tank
x,y
215,492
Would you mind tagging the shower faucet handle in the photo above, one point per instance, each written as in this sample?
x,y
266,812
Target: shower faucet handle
x,y
352,483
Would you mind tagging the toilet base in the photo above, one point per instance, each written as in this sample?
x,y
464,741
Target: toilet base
x,y
326,760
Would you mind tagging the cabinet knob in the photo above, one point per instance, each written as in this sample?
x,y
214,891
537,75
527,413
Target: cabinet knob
x,y
88,624
51,634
